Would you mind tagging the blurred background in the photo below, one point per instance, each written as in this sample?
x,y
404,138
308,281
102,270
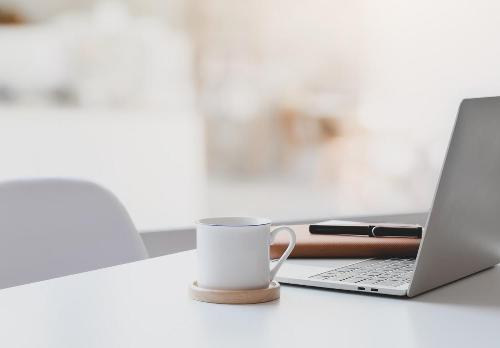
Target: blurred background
x,y
285,109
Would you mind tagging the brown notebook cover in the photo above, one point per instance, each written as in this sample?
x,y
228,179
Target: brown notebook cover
x,y
325,246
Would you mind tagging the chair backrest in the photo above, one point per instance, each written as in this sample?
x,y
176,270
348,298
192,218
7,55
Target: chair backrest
x,y
55,227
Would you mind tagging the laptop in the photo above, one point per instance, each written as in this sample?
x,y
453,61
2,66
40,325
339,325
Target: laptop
x,y
462,232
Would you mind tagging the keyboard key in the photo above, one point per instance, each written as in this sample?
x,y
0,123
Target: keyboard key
x,y
354,279
334,279
365,263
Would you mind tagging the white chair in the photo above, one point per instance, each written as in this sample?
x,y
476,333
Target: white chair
x,y
55,227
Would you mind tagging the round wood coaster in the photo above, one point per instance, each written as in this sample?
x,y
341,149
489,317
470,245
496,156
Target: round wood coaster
x,y
270,293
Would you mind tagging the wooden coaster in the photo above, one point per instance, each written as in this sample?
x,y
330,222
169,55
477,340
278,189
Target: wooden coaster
x,y
236,296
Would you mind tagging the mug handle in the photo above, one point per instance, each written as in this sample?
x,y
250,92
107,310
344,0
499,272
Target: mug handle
x,y
288,250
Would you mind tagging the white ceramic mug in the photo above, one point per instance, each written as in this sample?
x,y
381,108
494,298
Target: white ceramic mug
x,y
233,252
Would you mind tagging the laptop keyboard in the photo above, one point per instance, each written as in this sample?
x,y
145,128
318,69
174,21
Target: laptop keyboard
x,y
386,272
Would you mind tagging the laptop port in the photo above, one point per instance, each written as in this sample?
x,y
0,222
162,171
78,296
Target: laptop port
x,y
361,288
374,290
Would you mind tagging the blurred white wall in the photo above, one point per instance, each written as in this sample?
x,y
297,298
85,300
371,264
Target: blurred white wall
x,y
421,57
399,68
173,11
419,60
153,163
104,91
407,61
406,65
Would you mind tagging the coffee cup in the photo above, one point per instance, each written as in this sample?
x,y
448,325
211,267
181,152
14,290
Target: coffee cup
x,y
233,252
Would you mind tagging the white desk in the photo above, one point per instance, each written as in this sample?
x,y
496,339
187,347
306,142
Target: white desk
x,y
146,304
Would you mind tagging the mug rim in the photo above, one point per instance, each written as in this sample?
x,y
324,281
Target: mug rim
x,y
234,221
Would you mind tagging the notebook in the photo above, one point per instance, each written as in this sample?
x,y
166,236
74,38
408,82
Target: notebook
x,y
328,246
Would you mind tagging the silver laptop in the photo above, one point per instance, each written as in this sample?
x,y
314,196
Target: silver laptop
x,y
462,233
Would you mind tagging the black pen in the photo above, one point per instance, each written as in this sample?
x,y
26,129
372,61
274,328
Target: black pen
x,y
340,227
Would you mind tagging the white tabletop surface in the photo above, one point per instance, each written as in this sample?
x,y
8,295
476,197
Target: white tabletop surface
x,y
146,304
